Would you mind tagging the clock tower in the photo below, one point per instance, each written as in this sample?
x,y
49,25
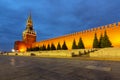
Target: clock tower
x,y
29,35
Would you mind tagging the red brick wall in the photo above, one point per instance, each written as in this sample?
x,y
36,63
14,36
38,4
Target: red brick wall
x,y
113,32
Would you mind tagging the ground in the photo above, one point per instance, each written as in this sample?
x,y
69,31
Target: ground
x,y
36,68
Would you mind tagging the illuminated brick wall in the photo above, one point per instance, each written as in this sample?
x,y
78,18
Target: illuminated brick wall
x,y
113,32
20,46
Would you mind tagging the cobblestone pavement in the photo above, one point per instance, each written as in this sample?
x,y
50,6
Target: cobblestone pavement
x,y
34,68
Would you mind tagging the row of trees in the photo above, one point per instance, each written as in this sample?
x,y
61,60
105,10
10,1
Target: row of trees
x,y
52,47
59,47
101,43
79,46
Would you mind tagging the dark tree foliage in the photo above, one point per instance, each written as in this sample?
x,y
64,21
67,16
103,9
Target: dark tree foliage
x,y
58,46
101,41
74,46
28,49
43,48
106,42
81,44
31,49
95,42
53,47
36,49
64,46
48,47
40,48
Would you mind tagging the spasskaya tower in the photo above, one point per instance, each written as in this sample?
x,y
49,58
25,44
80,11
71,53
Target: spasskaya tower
x,y
29,35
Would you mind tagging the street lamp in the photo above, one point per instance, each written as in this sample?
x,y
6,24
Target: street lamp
x,y
13,50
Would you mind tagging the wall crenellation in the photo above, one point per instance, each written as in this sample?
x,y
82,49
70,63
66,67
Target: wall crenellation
x,y
115,25
118,24
110,25
95,29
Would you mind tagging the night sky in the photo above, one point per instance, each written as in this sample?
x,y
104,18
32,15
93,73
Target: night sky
x,y
52,18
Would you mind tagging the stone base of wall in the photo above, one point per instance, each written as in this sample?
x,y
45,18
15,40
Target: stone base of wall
x,y
55,53
106,53
93,54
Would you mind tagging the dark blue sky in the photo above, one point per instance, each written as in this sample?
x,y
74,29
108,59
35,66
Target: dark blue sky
x,y
53,18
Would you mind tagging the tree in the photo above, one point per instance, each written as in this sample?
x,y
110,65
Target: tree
x,y
80,44
36,48
40,48
107,42
101,41
74,46
43,47
31,49
58,46
64,47
28,49
95,42
53,47
48,47
104,41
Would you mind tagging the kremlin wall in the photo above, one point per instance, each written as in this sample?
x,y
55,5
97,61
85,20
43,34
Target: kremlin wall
x,y
113,32
29,37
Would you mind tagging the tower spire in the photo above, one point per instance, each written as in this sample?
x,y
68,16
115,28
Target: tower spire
x,y
29,17
29,24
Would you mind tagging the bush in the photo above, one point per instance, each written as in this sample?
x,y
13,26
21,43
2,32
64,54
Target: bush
x,y
16,53
88,52
73,54
85,52
80,53
32,54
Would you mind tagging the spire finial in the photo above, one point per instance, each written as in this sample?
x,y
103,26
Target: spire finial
x,y
29,21
30,16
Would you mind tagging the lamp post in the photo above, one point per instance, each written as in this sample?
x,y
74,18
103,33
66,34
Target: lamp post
x,y
13,50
